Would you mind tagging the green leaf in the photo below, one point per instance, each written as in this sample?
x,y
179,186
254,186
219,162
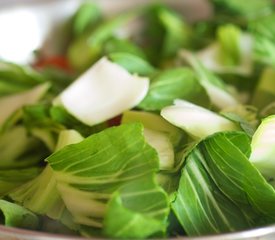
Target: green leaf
x,y
13,215
117,45
105,163
171,84
136,214
15,78
220,190
218,92
61,116
89,47
177,32
86,17
255,8
10,179
263,33
245,116
25,151
40,195
229,40
133,64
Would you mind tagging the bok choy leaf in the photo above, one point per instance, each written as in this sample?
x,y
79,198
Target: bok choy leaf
x,y
116,159
220,190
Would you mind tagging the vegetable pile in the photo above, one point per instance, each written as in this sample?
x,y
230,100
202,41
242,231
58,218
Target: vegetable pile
x,y
149,126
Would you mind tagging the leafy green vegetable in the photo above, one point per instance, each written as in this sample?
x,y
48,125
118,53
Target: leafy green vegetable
x,y
255,8
140,214
216,194
25,151
93,175
40,195
13,215
132,63
171,84
89,47
188,155
217,90
117,45
10,179
86,17
245,116
15,78
263,33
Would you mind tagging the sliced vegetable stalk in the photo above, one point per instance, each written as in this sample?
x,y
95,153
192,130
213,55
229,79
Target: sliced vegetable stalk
x,y
220,190
197,121
116,159
103,92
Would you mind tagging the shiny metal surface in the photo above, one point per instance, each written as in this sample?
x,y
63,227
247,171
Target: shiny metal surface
x,y
27,25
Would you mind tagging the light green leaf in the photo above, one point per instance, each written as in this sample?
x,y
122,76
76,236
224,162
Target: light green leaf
x,y
105,162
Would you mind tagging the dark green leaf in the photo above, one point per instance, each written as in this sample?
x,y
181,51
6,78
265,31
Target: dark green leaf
x,y
171,84
220,190
132,63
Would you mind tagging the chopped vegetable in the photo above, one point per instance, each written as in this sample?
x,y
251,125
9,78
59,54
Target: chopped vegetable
x,y
149,126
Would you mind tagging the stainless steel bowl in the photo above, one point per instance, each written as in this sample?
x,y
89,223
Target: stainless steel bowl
x,y
27,25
